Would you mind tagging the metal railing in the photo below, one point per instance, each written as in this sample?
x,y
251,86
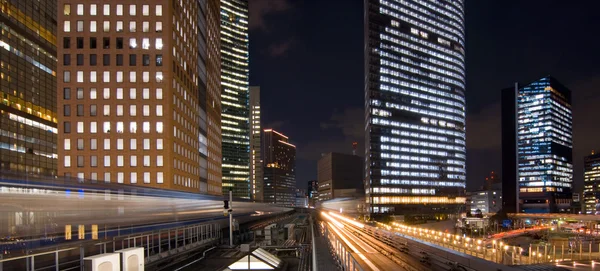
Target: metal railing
x,y
158,245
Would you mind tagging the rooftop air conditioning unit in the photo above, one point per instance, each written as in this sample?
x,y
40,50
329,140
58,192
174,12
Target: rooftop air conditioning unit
x,y
102,262
132,259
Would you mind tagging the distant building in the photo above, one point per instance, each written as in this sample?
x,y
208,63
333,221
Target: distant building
x,y
510,187
301,198
544,165
279,159
29,74
337,171
256,163
487,201
591,184
313,189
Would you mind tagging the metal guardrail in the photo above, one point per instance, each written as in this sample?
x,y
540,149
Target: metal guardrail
x,y
344,257
156,247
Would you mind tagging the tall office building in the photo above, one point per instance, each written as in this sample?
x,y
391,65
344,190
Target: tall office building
x,y
339,175
279,159
414,106
537,147
256,164
591,184
234,98
28,119
138,93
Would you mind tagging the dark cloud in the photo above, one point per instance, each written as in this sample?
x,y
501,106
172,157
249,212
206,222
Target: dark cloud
x,y
259,9
279,49
350,121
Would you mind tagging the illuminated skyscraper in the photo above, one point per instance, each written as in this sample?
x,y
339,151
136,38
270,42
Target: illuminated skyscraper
x,y
256,164
279,159
415,106
591,183
234,98
138,93
28,119
544,147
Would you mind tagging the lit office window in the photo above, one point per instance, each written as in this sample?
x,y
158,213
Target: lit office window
x,y
132,10
120,127
93,77
158,27
159,177
146,127
145,27
159,44
119,10
146,177
93,144
107,144
119,27
93,10
79,26
93,127
159,77
147,160
145,10
106,10
132,78
159,127
159,144
146,144
80,129
133,161
145,43
159,161
132,93
106,127
67,26
120,177
79,76
133,127
119,110
106,77
67,9
106,25
145,77
119,94
106,161
67,144
107,176
120,161
159,110
133,177
132,110
146,110
132,27
159,94
106,93
146,93
79,9
133,144
67,161
120,78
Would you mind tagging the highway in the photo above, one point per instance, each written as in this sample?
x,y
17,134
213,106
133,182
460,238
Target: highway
x,y
377,254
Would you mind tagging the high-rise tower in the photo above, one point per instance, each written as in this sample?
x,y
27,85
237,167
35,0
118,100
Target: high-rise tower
x,y
28,118
136,80
234,98
414,106
256,163
591,185
545,146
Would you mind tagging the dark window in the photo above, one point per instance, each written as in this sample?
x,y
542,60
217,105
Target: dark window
x,y
79,93
67,110
92,110
66,42
67,93
132,59
80,161
80,143
80,110
93,60
106,43
119,59
119,43
106,60
79,59
67,125
93,43
67,59
79,43
146,60
158,60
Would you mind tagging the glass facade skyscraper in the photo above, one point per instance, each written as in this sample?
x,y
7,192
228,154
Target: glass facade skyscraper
x,y
591,184
28,118
545,145
415,106
279,160
235,97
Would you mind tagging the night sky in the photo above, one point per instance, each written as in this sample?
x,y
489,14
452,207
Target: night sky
x,y
307,57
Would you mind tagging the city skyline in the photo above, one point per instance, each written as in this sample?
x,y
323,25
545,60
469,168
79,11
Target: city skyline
x,y
493,62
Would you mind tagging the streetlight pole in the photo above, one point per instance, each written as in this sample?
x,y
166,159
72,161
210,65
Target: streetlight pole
x,y
230,218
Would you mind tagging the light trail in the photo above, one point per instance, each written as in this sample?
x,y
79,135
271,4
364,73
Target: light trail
x,y
352,247
357,224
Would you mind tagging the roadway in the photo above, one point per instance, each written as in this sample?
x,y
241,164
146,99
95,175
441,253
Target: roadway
x,y
375,254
